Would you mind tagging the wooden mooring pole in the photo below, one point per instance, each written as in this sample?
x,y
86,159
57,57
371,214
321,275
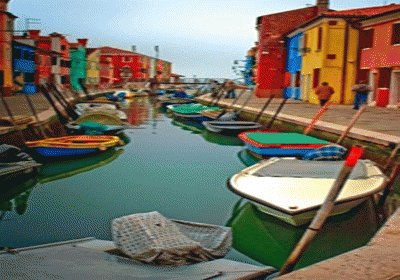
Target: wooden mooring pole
x,y
317,117
271,122
323,212
351,124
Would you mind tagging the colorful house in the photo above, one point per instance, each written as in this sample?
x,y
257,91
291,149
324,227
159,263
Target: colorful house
x,y
106,71
61,67
23,57
293,64
6,37
93,68
379,52
271,51
330,44
45,57
77,54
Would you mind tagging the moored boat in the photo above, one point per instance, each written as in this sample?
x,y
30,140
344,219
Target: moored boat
x,y
270,144
73,145
230,127
103,117
293,190
191,111
93,128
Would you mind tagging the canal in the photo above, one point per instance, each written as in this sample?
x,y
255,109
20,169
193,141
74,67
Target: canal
x,y
175,168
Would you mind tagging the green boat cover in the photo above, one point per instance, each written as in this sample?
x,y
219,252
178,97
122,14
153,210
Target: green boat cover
x,y
93,128
188,109
283,138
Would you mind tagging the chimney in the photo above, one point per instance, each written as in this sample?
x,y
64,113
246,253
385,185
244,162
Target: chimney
x,y
4,5
33,33
82,42
323,6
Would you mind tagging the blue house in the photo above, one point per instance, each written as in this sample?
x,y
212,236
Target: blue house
x,y
23,57
293,64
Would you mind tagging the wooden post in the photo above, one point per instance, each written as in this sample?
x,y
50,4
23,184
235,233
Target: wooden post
x,y
391,158
28,99
276,113
389,184
11,116
317,117
323,212
351,124
46,94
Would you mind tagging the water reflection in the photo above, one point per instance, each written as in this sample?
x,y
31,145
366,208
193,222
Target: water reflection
x,y
246,158
64,169
16,198
138,111
270,241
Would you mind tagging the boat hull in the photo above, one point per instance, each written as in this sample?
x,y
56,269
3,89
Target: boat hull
x,y
63,152
192,117
230,128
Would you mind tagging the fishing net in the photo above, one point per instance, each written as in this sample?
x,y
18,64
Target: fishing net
x,y
152,238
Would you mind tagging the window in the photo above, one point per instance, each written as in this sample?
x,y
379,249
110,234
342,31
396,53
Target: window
x,y
331,56
126,59
366,38
319,42
396,34
54,60
29,77
63,47
384,77
332,22
316,77
16,53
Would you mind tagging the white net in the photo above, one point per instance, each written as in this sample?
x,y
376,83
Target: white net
x,y
152,238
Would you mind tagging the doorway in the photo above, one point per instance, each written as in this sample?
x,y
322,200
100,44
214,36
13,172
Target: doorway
x,y
305,86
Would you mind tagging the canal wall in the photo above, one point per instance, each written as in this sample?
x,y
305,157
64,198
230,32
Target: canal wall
x,y
376,260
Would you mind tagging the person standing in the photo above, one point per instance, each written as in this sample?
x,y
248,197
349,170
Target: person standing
x,y
324,93
230,87
362,90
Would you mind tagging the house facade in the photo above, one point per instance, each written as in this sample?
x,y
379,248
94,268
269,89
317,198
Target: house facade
x,y
23,57
93,68
293,64
380,56
6,37
61,65
77,54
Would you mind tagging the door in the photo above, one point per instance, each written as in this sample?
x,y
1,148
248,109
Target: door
x,y
305,86
373,82
394,97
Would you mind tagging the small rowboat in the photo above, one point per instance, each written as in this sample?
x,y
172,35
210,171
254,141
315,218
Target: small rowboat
x,y
93,128
271,144
73,145
230,127
83,107
191,111
293,190
103,117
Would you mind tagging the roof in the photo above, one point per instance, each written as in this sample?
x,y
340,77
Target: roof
x,y
363,12
115,51
8,14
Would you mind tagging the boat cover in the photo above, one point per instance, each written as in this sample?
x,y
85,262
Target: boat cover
x,y
189,109
286,167
263,138
152,238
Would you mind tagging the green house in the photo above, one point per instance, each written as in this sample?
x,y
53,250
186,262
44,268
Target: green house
x,y
78,63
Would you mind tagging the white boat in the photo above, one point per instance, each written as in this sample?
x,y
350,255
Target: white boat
x,y
82,107
293,190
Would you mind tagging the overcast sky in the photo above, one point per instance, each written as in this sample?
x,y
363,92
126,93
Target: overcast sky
x,y
199,37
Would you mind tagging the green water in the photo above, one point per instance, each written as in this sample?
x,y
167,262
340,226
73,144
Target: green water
x,y
169,166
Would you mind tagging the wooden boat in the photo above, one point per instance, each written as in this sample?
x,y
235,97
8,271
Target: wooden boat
x,y
93,128
191,111
103,117
87,106
166,100
235,127
17,120
270,144
15,166
73,145
293,190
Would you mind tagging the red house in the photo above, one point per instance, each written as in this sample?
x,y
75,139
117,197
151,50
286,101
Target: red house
x,y
126,65
379,51
271,52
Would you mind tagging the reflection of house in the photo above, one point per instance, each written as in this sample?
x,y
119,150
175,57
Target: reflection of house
x,y
93,68
271,51
6,36
330,45
23,57
78,63
380,53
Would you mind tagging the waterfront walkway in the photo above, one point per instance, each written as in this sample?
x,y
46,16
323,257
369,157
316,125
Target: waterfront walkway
x,y
376,125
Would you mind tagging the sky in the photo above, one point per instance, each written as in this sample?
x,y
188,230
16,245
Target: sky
x,y
200,38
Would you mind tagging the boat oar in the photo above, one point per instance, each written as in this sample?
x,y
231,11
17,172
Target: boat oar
x,y
388,187
217,114
276,113
317,117
390,159
351,124
219,93
244,104
323,212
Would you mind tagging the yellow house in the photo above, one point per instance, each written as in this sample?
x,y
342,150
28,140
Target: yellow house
x,y
329,55
93,68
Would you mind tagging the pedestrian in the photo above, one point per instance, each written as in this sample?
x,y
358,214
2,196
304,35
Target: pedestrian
x,y
324,93
230,87
362,90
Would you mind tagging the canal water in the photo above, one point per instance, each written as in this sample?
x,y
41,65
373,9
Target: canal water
x,y
173,167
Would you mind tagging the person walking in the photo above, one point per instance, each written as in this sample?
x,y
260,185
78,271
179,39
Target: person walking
x,y
362,90
324,93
